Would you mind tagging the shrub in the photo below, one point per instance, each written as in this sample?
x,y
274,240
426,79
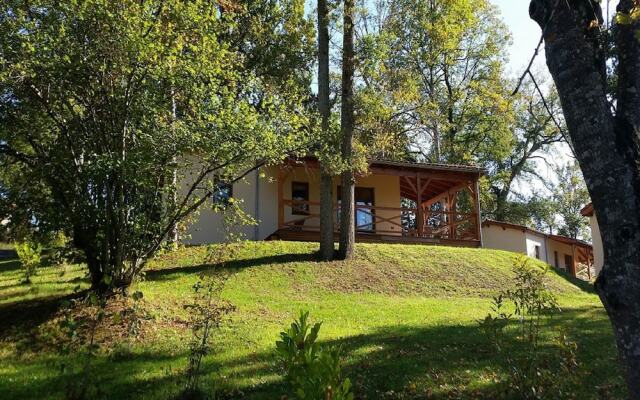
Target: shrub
x,y
207,309
30,255
314,373
59,249
533,373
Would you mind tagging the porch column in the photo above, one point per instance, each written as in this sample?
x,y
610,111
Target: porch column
x,y
419,212
452,199
478,216
574,261
280,199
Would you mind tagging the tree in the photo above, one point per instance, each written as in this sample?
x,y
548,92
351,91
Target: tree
x,y
607,145
570,195
101,101
433,69
326,177
347,203
534,132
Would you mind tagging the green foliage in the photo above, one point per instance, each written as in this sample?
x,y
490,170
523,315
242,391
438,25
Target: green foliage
x,y
432,74
206,313
117,119
30,255
570,195
533,136
207,309
313,372
533,372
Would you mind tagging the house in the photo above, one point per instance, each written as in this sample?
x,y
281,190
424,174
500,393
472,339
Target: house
x,y
559,251
398,202
598,251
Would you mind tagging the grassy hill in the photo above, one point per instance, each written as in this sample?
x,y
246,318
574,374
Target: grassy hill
x,y
406,318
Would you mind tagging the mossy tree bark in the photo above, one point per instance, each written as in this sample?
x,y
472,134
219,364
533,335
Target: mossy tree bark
x,y
607,146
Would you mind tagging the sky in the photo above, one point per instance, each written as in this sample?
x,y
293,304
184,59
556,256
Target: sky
x,y
525,32
525,36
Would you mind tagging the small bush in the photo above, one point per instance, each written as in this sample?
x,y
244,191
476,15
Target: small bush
x,y
314,373
59,249
533,372
30,255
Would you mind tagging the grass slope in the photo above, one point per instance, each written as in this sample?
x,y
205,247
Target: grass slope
x,y
405,316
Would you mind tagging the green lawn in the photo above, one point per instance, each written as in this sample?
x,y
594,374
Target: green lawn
x,y
405,316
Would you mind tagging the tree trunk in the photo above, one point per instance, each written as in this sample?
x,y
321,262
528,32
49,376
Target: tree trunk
x,y
501,204
607,148
347,205
174,237
326,180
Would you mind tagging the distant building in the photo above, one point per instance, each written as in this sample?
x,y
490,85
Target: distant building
x,y
598,251
559,251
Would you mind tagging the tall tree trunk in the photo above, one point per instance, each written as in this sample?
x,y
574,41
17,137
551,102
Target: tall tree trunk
x,y
326,180
174,234
347,204
501,204
607,148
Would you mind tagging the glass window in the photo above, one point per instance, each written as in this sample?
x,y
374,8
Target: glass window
x,y
364,208
300,197
222,194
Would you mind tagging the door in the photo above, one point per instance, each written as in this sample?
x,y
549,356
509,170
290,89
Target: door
x,y
568,263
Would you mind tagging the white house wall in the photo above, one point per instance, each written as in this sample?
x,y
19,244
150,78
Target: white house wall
x,y
498,237
534,240
259,200
596,239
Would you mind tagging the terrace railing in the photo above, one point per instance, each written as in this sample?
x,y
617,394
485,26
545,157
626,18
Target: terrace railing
x,y
392,221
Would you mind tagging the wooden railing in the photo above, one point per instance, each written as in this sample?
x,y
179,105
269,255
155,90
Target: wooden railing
x,y
393,221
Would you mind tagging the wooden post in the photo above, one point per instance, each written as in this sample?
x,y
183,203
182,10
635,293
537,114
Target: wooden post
x,y
453,199
478,216
280,199
574,261
419,213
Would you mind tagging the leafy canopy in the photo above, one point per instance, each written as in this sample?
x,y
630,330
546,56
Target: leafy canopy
x,y
124,115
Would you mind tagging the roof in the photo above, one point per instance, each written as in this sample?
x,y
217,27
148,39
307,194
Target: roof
x,y
435,179
557,238
469,168
587,211
568,240
523,228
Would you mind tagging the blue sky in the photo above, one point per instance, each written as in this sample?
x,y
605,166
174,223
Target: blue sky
x,y
525,32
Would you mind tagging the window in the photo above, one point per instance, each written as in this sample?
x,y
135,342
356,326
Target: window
x,y
300,197
364,214
537,250
222,194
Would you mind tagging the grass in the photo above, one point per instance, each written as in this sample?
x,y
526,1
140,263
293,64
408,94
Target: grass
x,y
406,318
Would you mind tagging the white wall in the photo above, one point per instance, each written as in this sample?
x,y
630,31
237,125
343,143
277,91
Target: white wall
x,y
596,239
259,196
501,238
534,240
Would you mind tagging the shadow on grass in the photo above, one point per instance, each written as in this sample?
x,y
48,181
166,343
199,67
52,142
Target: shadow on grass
x,y
235,265
579,283
25,315
8,261
394,362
